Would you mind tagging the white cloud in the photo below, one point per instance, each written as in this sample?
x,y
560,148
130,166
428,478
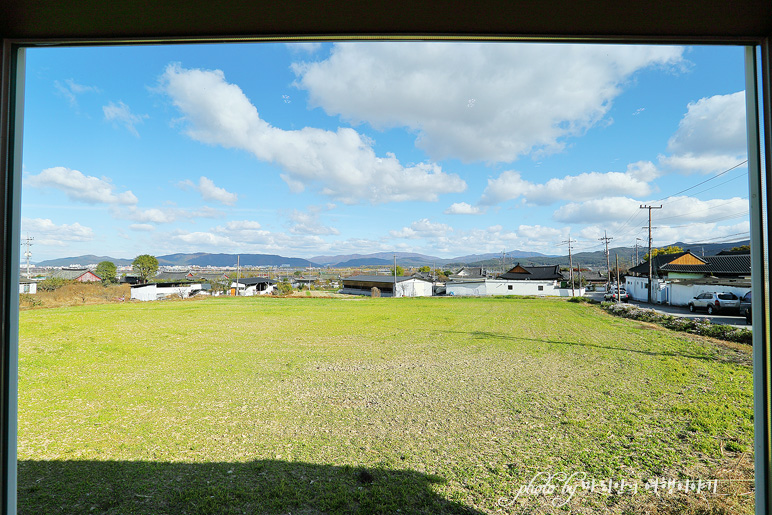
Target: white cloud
x,y
209,191
477,101
121,113
164,215
711,136
462,208
71,89
342,164
246,236
48,233
304,48
511,185
423,229
308,223
80,187
676,211
142,227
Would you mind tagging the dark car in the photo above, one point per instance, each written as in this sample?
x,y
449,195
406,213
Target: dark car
x,y
745,307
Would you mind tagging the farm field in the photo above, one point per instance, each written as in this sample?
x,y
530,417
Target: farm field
x,y
433,405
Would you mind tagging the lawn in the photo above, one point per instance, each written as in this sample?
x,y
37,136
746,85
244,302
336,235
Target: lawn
x,y
314,405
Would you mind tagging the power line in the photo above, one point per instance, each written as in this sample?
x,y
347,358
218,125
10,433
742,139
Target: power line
x,y
650,256
706,180
606,239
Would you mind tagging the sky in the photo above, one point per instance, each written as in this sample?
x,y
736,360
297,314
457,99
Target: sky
x,y
444,149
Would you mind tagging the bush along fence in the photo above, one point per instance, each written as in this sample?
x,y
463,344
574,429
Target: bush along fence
x,y
687,325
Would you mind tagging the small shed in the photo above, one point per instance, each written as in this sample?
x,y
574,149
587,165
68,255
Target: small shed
x,y
28,286
405,286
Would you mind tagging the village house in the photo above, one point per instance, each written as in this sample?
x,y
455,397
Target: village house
x,y
677,278
519,280
250,286
27,286
83,275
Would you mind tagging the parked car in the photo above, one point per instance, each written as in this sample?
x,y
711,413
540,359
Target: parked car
x,y
745,307
714,302
612,295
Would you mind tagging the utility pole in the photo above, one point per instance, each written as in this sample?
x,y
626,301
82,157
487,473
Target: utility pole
x,y
637,262
650,256
606,239
394,291
619,295
27,254
570,265
238,270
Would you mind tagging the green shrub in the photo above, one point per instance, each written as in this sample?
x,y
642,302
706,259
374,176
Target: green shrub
x,y
701,327
284,288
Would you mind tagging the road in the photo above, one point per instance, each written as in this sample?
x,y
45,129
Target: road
x,y
732,319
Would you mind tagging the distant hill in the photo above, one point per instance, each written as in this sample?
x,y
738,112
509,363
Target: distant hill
x,y
86,260
598,258
357,262
203,259
409,259
378,258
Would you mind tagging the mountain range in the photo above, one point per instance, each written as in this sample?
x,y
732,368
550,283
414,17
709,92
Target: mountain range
x,y
592,259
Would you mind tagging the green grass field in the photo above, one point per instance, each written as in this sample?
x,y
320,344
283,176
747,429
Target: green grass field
x,y
312,405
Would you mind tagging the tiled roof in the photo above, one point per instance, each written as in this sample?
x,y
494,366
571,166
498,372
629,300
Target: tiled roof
x,y
727,264
70,273
470,272
533,273
249,281
171,276
656,263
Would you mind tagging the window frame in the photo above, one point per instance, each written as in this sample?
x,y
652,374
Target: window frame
x,y
758,72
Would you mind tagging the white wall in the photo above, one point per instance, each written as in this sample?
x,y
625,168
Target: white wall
x,y
673,293
466,289
155,291
637,288
414,288
504,287
30,288
145,292
681,294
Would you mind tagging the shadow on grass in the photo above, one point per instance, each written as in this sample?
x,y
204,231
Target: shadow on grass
x,y
485,335
265,486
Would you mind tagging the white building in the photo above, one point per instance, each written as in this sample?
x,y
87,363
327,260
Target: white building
x,y
251,286
546,281
157,291
28,286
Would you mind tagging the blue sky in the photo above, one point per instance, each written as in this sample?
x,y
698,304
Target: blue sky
x,y
445,149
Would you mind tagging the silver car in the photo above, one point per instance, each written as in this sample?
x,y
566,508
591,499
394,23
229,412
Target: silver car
x,y
714,302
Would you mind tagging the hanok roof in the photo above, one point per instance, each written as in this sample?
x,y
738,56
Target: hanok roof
x,y
533,273
250,281
591,276
657,262
724,265
470,272
70,274
380,279
172,276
